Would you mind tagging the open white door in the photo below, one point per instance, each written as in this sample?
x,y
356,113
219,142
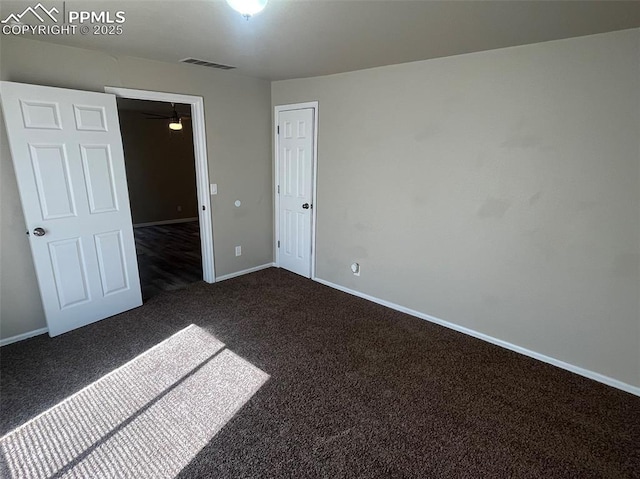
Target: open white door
x,y
69,163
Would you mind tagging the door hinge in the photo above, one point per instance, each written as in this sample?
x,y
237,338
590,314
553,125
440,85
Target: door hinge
x,y
278,243
278,189
278,129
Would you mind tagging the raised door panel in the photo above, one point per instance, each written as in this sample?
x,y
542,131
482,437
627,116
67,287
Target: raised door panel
x,y
287,130
302,129
112,262
40,115
287,183
97,165
70,272
302,248
302,174
294,234
53,181
90,118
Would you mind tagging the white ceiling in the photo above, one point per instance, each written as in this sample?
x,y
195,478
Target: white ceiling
x,y
303,38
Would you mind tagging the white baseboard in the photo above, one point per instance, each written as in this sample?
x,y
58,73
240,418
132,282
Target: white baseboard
x,y
490,339
244,271
165,222
20,337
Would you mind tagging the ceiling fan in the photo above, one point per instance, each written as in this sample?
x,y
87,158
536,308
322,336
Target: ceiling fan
x,y
175,119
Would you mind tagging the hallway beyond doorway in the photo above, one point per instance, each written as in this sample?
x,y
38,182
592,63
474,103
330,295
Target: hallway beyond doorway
x,y
169,257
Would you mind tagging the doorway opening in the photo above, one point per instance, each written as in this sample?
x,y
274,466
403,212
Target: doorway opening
x,y
159,159
205,219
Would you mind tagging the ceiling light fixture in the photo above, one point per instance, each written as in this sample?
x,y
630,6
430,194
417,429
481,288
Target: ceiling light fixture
x,y
247,8
175,124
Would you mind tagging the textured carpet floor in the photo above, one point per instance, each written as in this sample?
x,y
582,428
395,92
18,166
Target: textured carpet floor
x,y
355,389
147,419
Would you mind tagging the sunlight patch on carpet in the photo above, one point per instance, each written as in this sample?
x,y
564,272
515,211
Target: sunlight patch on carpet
x,y
147,419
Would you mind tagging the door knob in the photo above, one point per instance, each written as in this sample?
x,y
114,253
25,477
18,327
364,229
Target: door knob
x,y
39,232
306,206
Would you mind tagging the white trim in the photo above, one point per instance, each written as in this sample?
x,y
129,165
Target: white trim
x,y
490,339
314,208
166,222
202,165
244,271
20,337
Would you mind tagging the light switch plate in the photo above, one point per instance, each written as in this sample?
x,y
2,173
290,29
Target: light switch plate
x,y
214,188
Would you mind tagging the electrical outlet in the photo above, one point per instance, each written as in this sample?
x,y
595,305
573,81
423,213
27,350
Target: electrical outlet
x,y
238,250
355,269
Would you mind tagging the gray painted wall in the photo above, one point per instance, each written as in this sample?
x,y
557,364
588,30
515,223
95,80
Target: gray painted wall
x,y
499,191
238,120
161,171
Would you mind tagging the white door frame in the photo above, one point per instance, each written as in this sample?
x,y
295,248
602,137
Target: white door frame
x,y
314,181
202,165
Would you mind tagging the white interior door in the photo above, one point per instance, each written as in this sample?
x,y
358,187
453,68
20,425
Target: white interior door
x,y
69,163
295,186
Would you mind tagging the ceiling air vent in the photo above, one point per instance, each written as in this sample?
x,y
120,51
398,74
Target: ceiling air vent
x,y
204,63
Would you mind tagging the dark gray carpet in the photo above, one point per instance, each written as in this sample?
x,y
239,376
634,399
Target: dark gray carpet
x,y
355,389
145,420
